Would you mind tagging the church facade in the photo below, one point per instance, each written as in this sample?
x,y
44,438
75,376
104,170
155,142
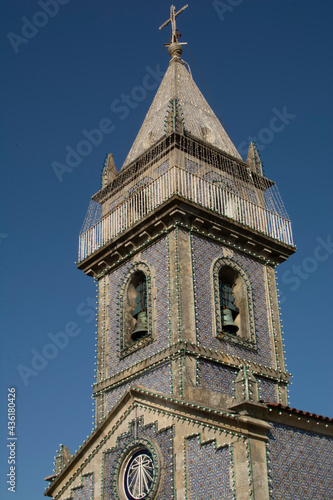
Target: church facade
x,y
191,385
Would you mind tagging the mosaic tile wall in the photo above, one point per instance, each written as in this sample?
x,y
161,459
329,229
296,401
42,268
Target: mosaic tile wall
x,y
156,257
138,185
221,180
86,491
162,168
204,253
217,378
114,203
191,166
267,390
300,463
251,195
209,471
159,380
164,440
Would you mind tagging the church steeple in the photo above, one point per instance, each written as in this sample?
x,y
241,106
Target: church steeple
x,y
184,187
190,373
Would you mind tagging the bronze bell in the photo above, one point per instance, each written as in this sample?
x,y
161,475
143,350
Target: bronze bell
x,y
141,327
228,324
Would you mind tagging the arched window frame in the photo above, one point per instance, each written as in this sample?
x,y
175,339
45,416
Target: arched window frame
x,y
246,333
127,345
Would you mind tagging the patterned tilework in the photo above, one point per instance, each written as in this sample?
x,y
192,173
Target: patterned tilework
x,y
251,195
156,257
191,166
220,180
301,464
204,253
138,185
229,184
114,203
214,377
163,441
159,380
86,491
162,168
209,471
211,176
267,390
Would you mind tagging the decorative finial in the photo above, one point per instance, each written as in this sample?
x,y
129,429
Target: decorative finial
x,y
175,48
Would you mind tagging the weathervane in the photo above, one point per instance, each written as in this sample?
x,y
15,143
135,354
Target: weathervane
x,y
173,14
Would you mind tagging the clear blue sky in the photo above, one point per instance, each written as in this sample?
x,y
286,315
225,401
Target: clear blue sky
x,y
256,56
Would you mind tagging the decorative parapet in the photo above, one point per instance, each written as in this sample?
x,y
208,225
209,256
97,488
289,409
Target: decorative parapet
x,y
178,181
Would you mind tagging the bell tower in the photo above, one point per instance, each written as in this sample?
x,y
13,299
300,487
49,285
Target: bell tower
x,y
190,363
184,258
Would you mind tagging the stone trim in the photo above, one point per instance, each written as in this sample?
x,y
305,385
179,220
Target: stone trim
x,y
192,217
126,347
182,349
219,333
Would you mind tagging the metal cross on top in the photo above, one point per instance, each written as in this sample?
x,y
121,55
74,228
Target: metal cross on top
x,y
172,20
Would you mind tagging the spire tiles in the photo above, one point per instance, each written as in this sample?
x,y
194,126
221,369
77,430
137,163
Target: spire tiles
x,y
179,106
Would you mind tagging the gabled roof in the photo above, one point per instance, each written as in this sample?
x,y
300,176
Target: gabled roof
x,y
149,400
179,106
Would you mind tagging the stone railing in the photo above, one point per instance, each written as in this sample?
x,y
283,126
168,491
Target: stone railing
x,y
191,187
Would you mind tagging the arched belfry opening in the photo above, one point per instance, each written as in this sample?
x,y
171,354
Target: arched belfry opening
x,y
229,310
234,307
135,308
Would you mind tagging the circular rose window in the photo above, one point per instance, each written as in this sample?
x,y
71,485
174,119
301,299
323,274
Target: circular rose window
x,y
139,475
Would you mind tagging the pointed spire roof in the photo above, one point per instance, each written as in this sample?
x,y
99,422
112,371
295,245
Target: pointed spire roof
x,y
179,106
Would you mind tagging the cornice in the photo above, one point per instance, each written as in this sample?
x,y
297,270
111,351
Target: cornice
x,y
284,415
182,349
